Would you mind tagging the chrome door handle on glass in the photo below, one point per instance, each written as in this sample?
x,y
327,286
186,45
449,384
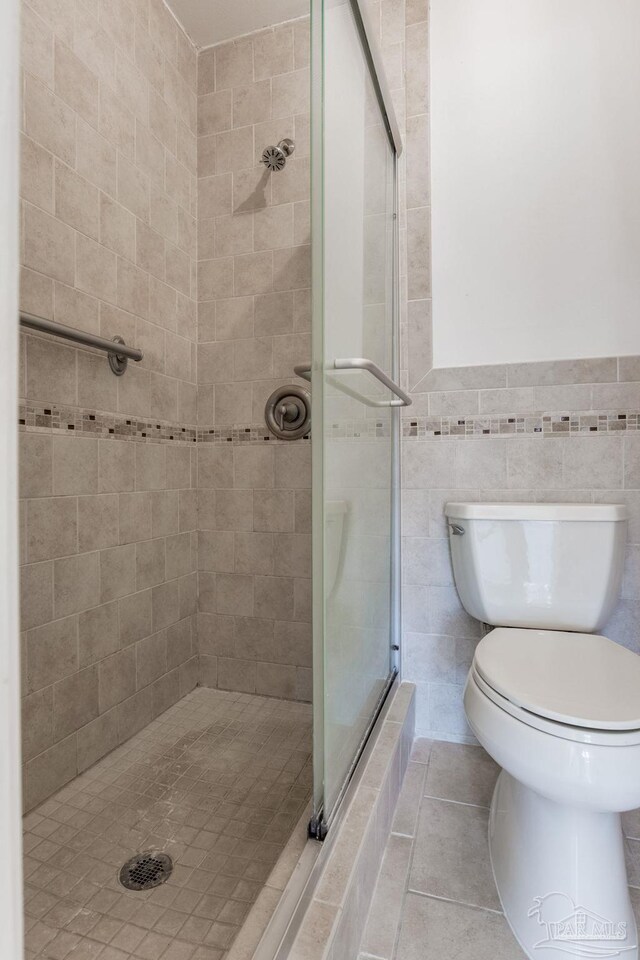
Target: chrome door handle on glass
x,y
361,363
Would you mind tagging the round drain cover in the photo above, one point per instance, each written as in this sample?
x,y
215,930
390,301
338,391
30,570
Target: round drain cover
x,y
146,870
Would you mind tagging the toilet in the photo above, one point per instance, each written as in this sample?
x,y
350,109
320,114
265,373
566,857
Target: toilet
x,y
558,708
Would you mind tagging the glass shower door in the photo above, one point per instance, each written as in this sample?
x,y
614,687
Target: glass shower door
x,y
355,398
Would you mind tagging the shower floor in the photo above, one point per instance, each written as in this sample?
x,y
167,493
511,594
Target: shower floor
x,y
218,782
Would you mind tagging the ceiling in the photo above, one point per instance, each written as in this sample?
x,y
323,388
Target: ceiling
x,y
211,21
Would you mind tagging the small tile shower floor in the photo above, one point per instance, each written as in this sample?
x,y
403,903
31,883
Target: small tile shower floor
x,y
218,782
436,898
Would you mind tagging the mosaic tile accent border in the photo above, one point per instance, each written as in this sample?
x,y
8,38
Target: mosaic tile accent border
x,y
93,423
547,424
422,428
253,433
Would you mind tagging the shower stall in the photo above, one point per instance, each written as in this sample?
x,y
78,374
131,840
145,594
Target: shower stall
x,y
210,589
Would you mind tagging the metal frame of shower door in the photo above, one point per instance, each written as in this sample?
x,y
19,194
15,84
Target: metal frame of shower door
x,y
319,825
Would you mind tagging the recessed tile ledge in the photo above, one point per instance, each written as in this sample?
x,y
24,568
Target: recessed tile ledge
x,y
334,919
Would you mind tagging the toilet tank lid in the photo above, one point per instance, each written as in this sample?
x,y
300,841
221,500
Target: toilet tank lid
x,y
537,511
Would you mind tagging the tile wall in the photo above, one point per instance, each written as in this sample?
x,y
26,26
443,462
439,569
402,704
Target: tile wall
x,y
253,327
108,486
550,432
534,431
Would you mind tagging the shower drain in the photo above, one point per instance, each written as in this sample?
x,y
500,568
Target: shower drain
x,y
145,871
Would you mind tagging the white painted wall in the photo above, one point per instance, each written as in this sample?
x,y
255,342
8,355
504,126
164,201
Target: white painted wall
x,y
536,179
11,859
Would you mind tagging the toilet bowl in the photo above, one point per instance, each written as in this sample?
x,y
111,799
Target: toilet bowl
x,y
559,710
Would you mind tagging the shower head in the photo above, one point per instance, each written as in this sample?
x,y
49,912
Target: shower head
x,y
274,158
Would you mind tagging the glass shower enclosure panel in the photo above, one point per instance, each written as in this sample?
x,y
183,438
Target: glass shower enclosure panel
x,y
355,397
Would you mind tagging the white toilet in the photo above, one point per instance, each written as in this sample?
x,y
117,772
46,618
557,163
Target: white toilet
x,y
559,709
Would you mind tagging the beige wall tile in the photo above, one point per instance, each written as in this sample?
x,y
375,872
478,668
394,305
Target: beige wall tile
x,y
165,604
117,678
117,227
276,680
273,52
292,268
251,189
301,44
117,466
290,94
37,723
51,528
75,702
135,615
273,227
254,273
77,309
97,387
102,113
49,771
132,288
49,120
76,584
273,314
36,296
75,83
151,659
165,513
117,572
48,245
36,586
75,466
233,64
98,633
77,202
96,739
236,675
215,196
177,269
150,563
151,465
36,465
93,45
417,78
252,104
36,174
294,183
36,51
96,158
52,652
97,522
234,150
135,713
95,269
179,555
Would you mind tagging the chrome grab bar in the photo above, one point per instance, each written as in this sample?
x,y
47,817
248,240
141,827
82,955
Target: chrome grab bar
x,y
361,363
117,350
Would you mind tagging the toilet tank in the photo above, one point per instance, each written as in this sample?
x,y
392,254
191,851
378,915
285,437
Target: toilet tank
x,y
553,566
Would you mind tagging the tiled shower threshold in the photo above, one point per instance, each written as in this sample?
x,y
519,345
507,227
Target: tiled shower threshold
x,y
218,782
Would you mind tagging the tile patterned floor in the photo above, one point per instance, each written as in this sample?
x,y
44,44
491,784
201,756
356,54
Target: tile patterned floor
x,y
435,896
218,782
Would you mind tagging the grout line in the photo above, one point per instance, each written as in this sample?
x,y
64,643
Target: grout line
x,y
458,803
461,903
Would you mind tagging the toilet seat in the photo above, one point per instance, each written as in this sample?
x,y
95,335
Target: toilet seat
x,y
581,687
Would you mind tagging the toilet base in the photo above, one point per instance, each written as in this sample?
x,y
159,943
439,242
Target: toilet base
x,y
561,876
